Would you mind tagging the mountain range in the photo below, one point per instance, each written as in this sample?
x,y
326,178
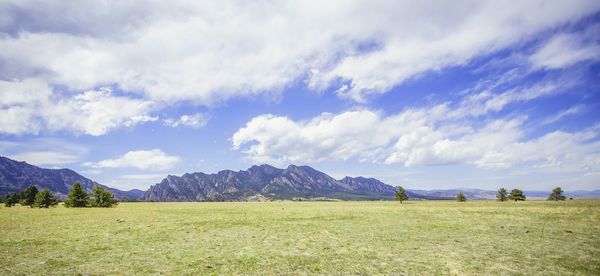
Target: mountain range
x,y
266,181
262,182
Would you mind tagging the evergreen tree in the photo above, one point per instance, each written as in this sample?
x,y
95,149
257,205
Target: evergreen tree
x,y
501,196
77,197
28,195
45,199
557,194
401,195
516,195
102,198
461,197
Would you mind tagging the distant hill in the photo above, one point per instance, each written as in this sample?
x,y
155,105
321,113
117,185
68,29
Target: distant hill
x,y
489,194
16,176
266,181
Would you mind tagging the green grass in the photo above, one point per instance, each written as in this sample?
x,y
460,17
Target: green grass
x,y
417,237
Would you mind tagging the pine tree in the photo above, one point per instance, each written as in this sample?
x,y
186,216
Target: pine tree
x,y
516,195
401,195
45,199
28,195
77,197
102,198
557,194
461,197
501,196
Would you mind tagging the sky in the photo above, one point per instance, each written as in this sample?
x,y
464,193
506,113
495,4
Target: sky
x,y
422,94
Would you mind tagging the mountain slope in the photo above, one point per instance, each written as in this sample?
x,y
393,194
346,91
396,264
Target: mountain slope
x,y
266,181
16,176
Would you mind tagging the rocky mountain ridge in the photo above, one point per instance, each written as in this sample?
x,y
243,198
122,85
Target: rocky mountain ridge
x,y
266,181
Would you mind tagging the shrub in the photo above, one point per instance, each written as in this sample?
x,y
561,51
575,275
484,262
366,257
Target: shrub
x,y
461,197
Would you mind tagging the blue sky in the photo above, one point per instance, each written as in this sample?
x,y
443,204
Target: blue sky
x,y
477,94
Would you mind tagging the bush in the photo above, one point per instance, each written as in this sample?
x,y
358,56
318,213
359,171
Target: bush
x,y
77,197
45,199
102,198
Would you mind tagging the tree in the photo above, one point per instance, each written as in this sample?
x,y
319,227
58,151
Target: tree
x,y
401,195
12,199
461,197
501,196
28,195
45,199
77,197
516,195
102,198
557,194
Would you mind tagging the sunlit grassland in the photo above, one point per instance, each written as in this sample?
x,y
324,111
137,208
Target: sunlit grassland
x,y
417,237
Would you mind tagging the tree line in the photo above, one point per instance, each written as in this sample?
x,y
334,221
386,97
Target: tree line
x,y
77,198
501,195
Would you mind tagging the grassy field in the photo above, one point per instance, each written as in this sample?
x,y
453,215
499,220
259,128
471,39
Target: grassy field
x,y
417,237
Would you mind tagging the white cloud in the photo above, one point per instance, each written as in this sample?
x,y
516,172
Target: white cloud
x,y
197,120
141,159
139,119
214,51
97,111
211,52
414,137
41,158
570,111
92,112
488,100
566,49
43,152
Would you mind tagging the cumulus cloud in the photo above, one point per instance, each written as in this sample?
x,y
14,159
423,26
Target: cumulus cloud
x,y
29,106
141,159
414,137
197,120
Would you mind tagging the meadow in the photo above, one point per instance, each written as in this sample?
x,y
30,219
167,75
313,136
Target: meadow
x,y
417,237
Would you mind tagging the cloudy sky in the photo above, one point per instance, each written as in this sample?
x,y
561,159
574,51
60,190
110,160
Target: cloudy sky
x,y
423,94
